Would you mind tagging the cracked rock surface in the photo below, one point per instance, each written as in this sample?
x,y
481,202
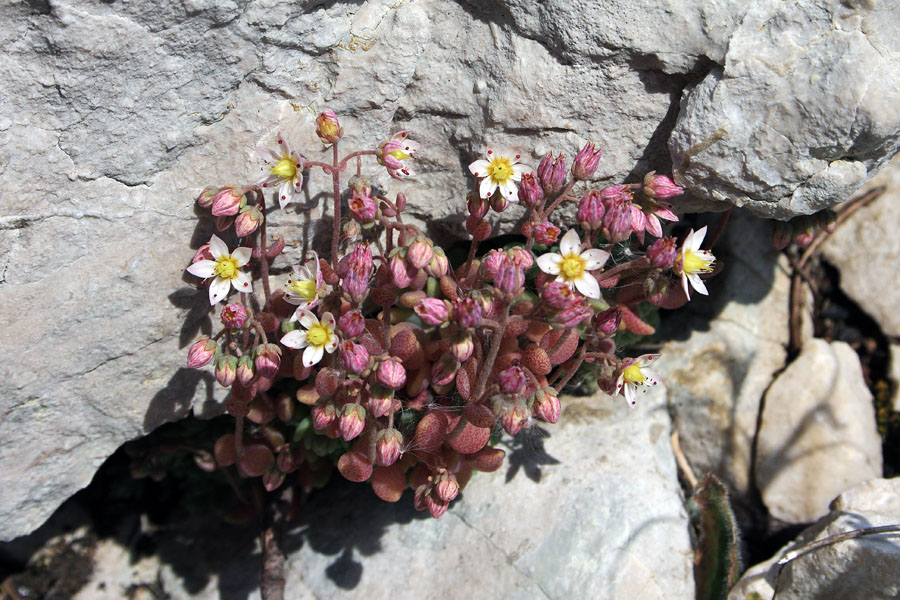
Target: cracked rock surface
x,y
113,116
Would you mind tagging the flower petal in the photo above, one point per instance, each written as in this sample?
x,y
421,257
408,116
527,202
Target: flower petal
x,y
328,320
218,289
202,268
332,345
594,258
312,355
285,193
306,318
509,190
217,247
696,240
570,243
653,226
630,394
242,283
487,187
519,170
549,263
242,255
479,168
267,154
295,339
698,284
684,285
588,286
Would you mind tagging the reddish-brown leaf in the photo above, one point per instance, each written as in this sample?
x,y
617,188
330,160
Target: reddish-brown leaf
x,y
468,439
388,483
430,432
354,466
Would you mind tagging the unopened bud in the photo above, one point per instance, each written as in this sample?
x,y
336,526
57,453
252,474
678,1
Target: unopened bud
x,y
420,253
234,315
391,374
546,405
558,295
353,421
328,128
586,162
662,253
446,488
607,322
201,352
435,506
617,219
206,197
248,221
439,265
467,312
352,323
552,174
530,191
245,373
499,202
388,446
478,206
512,380
227,202
546,233
363,208
268,359
444,370
354,357
433,311
381,400
509,278
781,234
462,346
323,415
590,210
660,187
400,272
226,370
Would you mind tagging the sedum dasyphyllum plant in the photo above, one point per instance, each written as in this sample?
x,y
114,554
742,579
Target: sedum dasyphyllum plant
x,y
386,357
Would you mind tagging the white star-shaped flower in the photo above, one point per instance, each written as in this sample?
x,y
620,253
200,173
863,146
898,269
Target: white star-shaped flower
x,y
225,267
634,374
499,170
573,267
285,170
305,286
692,261
318,337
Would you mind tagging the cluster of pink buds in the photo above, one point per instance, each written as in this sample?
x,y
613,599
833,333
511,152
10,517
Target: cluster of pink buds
x,y
403,366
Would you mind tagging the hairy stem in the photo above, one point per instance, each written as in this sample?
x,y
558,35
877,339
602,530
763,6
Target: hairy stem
x,y
336,229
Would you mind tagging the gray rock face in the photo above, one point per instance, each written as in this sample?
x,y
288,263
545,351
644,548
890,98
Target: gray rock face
x,y
588,509
726,352
865,249
802,111
114,115
864,567
818,435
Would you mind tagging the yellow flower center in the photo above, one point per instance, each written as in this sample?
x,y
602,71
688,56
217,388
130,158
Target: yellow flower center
x,y
318,334
572,267
633,374
695,263
500,170
285,168
226,267
399,154
305,288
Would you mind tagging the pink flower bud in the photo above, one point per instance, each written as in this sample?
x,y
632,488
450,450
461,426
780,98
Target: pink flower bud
x,y
420,253
446,488
558,295
233,315
433,311
530,191
354,357
462,346
521,257
227,202
352,323
660,187
245,372
781,234
512,380
492,262
400,272
662,253
546,405
323,415
509,278
389,443
444,369
353,421
573,316
618,217
362,208
590,210
552,174
201,352
328,128
247,222
439,265
513,418
478,206
226,370
586,162
467,312
546,233
435,506
381,400
268,359
391,374
607,323
350,230
499,202
206,197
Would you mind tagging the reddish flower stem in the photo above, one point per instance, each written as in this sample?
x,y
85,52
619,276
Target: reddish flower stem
x,y
336,229
264,241
488,366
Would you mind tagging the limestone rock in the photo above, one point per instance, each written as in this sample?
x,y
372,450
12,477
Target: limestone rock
x,y
865,249
894,374
725,351
589,508
864,567
801,113
817,436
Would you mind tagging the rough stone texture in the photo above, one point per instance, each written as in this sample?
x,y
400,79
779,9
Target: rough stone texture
x,y
114,115
725,351
894,374
866,250
865,567
590,508
818,435
801,114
